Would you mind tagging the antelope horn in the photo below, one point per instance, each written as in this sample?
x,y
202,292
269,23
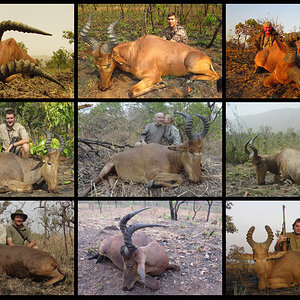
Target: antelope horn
x,y
246,147
188,126
249,237
12,25
270,238
204,132
94,44
24,67
252,147
49,137
113,42
128,231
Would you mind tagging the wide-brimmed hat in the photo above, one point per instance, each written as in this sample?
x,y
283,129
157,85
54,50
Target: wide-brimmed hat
x,y
19,212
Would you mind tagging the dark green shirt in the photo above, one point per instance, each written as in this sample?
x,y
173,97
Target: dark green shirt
x,y
11,232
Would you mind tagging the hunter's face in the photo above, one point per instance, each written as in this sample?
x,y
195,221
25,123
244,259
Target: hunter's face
x,y
18,220
297,228
10,120
172,21
267,29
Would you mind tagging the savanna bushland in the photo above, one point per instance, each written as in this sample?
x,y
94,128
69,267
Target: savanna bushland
x,y
203,23
55,117
111,127
193,242
241,81
240,175
55,236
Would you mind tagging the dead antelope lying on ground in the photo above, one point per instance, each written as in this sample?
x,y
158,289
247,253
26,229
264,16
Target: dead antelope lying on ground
x,y
274,270
285,165
157,165
281,59
19,174
148,58
13,59
137,254
22,262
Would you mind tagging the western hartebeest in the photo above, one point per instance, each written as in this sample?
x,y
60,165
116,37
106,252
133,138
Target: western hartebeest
x,y
148,58
155,164
284,165
13,59
137,254
281,59
22,262
274,270
19,174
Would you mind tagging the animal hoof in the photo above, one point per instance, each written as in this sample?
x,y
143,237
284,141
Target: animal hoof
x,y
150,184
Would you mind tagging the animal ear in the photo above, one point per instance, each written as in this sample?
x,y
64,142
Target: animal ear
x,y
140,259
119,59
276,254
178,147
40,163
245,256
141,271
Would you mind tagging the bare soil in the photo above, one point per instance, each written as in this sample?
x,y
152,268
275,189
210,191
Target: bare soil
x,y
242,280
193,245
178,87
241,82
65,184
241,182
39,87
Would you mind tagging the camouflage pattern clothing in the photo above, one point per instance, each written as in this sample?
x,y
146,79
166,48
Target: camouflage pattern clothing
x,y
2,235
262,42
177,34
17,131
172,135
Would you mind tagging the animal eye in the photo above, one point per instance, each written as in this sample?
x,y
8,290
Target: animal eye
x,y
49,163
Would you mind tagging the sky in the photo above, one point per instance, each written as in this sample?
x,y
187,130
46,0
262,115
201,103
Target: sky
x,y
288,15
260,213
253,108
51,18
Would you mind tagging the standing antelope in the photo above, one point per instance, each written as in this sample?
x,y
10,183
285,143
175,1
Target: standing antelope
x,y
137,254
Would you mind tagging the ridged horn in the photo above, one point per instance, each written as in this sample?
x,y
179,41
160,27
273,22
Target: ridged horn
x,y
205,130
24,67
49,137
12,25
255,151
270,238
128,231
94,44
250,237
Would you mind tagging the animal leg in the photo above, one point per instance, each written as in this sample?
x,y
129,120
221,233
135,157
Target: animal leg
x,y
271,81
145,86
151,283
173,267
277,283
16,186
11,78
162,178
56,277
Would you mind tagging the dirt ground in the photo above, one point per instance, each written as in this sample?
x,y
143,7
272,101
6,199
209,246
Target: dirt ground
x,y
242,280
89,167
241,182
193,245
39,87
178,87
65,185
241,82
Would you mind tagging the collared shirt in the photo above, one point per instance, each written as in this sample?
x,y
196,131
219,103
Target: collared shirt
x,y
2,235
294,242
172,135
6,134
153,133
177,34
11,232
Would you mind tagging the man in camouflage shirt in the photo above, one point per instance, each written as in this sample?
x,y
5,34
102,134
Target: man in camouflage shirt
x,y
174,32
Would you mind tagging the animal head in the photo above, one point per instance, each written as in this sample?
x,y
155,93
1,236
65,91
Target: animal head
x,y
261,255
105,58
49,163
257,161
134,258
192,149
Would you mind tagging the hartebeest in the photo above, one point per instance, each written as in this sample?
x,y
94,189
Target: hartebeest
x,y
13,59
22,262
281,59
274,270
148,58
137,254
284,165
19,174
155,164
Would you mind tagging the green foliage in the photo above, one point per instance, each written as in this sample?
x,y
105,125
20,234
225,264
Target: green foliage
x,y
22,46
61,59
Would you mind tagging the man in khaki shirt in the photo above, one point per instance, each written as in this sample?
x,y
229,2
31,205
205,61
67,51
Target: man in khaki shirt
x,y
12,130
294,238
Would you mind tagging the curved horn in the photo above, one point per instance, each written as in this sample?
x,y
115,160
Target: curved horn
x,y
94,44
270,238
24,67
62,142
290,57
204,132
252,147
12,25
246,147
49,137
188,126
128,231
113,42
249,237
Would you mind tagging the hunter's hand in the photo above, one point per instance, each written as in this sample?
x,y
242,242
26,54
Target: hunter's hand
x,y
282,239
